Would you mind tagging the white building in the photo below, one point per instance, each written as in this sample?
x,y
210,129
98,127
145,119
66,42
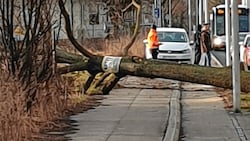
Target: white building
x,y
89,18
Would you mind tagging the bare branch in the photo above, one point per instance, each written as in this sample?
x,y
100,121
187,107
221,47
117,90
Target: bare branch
x,y
137,26
69,31
127,7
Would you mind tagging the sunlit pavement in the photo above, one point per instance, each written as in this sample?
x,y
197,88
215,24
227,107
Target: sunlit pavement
x,y
205,119
145,109
130,113
203,116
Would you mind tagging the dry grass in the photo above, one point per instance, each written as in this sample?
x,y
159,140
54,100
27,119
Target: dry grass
x,y
15,122
109,47
56,98
227,96
245,101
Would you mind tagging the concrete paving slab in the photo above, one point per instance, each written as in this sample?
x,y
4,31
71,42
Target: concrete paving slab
x,y
103,113
141,82
244,120
90,138
125,114
150,113
244,123
209,138
140,128
91,128
247,132
125,92
134,138
205,119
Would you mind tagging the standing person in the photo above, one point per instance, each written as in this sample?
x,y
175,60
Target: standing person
x,y
206,44
197,39
153,41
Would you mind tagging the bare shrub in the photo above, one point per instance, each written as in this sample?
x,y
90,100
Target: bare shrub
x,y
110,46
17,124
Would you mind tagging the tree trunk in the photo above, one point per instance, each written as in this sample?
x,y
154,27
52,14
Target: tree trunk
x,y
220,77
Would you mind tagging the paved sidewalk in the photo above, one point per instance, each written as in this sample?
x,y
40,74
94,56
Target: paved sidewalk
x,y
205,119
128,114
146,110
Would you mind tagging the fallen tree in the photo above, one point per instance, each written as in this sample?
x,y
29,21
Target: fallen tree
x,y
30,84
220,77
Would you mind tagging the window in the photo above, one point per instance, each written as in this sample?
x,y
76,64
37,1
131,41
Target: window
x,y
220,25
93,19
172,36
243,23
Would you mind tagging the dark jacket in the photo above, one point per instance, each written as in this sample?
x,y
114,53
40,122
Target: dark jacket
x,y
205,41
197,39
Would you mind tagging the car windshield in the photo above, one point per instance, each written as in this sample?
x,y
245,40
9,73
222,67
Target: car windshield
x,y
167,36
242,37
248,42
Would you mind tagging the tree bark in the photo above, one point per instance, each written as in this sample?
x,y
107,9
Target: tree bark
x,y
69,31
220,77
137,26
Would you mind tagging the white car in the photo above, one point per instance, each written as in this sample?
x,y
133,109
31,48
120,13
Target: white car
x,y
245,50
175,45
242,36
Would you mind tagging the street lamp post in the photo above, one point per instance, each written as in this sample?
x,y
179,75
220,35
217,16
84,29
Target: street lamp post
x,y
206,10
236,63
196,12
170,12
228,32
160,13
200,11
189,19
155,12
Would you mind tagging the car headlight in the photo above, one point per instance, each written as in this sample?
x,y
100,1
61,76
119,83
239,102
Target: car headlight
x,y
217,41
186,51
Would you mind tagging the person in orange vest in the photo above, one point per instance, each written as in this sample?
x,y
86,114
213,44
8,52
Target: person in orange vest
x,y
153,41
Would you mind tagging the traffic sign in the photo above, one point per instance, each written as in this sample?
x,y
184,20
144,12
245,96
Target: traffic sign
x,y
111,64
157,12
19,31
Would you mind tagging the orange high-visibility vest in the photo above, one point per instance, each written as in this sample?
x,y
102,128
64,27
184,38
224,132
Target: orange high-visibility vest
x,y
153,41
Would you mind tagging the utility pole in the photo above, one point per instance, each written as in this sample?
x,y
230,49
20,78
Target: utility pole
x,y
156,12
160,13
197,13
189,19
244,2
170,12
206,10
228,32
236,63
200,11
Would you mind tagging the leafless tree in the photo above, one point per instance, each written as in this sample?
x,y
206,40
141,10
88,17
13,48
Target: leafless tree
x,y
30,59
140,67
26,41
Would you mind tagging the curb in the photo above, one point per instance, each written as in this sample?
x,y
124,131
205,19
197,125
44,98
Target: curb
x,y
174,123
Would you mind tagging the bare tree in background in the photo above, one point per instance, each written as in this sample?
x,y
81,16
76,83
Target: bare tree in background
x,y
29,59
26,41
140,67
27,55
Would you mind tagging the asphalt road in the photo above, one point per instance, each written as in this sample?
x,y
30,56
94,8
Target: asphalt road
x,y
220,55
